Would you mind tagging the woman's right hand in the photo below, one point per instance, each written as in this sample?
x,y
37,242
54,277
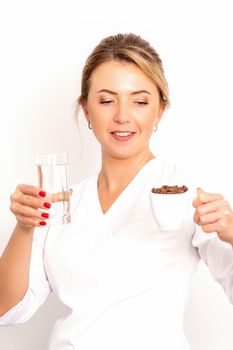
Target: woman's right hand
x,y
29,206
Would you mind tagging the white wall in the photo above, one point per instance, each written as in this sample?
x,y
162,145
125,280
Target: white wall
x,y
43,48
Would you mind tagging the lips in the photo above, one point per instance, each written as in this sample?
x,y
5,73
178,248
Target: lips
x,y
123,135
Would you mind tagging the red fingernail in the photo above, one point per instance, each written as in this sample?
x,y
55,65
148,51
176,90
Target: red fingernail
x,y
42,193
42,223
47,205
45,215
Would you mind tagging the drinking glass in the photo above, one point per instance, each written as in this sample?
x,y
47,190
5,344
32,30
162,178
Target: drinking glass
x,y
53,179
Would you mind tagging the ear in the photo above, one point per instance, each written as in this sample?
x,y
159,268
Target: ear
x,y
85,111
160,112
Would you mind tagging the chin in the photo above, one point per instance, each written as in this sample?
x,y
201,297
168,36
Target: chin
x,y
123,155
120,156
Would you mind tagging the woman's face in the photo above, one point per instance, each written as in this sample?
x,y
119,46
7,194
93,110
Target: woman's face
x,y
123,107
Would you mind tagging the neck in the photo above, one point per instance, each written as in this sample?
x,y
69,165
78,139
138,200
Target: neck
x,y
116,173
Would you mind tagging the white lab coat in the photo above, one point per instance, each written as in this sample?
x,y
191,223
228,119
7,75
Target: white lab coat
x,y
124,281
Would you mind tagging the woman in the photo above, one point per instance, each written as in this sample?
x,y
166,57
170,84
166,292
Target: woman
x,y
124,281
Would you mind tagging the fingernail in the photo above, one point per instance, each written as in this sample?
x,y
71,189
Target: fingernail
x,y
42,193
47,205
45,215
42,223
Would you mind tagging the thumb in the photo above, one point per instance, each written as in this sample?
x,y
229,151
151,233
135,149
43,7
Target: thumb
x,y
199,190
197,199
60,196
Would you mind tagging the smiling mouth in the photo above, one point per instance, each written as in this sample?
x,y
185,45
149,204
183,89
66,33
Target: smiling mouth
x,y
123,135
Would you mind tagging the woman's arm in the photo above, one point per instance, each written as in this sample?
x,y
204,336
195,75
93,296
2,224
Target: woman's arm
x,y
14,268
15,261
214,237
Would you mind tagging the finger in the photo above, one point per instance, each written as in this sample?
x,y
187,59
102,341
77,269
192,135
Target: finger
x,y
31,190
219,226
202,217
30,201
210,228
213,217
212,206
30,222
205,197
18,194
22,210
35,203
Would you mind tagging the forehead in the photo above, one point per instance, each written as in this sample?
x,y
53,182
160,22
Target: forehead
x,y
120,75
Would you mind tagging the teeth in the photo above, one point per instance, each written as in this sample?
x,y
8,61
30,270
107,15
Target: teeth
x,y
122,133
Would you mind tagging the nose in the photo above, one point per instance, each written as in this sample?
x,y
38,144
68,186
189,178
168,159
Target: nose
x,y
122,114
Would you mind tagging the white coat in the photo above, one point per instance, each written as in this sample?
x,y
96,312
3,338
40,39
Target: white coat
x,y
125,282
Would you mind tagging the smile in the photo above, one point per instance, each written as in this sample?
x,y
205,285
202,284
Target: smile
x,y
122,135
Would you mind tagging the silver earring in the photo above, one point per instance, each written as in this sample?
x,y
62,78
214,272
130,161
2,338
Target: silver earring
x,y
156,128
89,126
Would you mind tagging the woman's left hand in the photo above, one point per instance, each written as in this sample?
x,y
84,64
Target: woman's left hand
x,y
214,214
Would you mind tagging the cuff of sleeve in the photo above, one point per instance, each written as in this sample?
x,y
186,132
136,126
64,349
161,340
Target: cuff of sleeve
x,y
17,313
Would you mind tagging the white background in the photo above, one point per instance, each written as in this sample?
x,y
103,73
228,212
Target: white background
x,y
43,48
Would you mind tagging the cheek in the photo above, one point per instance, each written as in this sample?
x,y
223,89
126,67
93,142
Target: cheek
x,y
147,119
94,114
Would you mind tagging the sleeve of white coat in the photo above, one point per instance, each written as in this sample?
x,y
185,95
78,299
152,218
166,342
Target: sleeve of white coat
x,y
218,256
39,287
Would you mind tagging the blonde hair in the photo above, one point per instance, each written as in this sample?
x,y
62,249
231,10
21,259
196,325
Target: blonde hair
x,y
130,48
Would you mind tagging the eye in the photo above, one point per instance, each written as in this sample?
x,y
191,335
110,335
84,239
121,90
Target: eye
x,y
105,101
141,103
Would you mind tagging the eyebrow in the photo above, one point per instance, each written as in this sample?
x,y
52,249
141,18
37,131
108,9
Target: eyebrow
x,y
132,93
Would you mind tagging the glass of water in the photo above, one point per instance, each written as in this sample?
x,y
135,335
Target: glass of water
x,y
53,179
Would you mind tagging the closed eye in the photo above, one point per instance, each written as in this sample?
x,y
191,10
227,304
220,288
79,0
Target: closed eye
x,y
142,103
105,101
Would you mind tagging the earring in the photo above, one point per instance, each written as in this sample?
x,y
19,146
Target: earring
x,y
89,126
156,128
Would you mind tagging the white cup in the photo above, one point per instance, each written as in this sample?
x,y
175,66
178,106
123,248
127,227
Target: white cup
x,y
169,210
53,179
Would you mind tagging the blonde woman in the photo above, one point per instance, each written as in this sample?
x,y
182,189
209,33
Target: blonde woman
x,y
124,281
